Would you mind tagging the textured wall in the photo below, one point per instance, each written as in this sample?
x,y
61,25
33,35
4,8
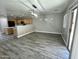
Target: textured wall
x,y
49,23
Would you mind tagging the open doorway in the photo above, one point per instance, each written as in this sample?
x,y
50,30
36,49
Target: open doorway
x,y
72,28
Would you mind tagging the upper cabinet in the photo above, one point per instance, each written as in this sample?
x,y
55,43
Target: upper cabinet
x,y
24,21
19,21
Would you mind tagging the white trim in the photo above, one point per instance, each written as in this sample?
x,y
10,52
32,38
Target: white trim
x,y
38,31
48,32
24,34
63,39
72,6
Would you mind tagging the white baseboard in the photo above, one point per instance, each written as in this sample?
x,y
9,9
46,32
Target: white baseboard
x,y
48,32
63,40
24,34
39,32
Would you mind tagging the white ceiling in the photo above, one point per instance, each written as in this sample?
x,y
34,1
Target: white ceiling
x,y
22,7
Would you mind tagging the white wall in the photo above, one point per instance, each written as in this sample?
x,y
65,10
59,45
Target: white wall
x,y
2,10
3,23
3,18
49,23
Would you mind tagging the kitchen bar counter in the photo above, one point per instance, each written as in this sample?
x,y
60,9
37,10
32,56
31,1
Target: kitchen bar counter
x,y
23,30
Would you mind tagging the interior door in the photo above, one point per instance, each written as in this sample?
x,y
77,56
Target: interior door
x,y
72,28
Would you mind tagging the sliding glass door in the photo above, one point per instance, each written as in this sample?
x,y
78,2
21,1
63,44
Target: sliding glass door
x,y
72,28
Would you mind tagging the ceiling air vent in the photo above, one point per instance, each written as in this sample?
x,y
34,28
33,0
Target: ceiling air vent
x,y
34,6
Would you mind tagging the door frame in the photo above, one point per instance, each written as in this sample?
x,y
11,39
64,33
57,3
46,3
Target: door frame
x,y
74,35
71,29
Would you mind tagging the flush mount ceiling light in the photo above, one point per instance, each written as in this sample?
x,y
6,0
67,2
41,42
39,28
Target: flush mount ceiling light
x,y
34,14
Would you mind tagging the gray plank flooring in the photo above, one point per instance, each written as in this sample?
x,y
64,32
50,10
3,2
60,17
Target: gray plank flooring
x,y
34,46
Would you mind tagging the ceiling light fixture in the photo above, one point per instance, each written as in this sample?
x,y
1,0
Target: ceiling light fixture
x,y
34,14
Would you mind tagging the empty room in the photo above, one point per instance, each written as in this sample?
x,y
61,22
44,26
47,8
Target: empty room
x,y
38,29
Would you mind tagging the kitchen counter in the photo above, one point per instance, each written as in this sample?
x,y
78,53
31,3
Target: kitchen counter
x,y
23,30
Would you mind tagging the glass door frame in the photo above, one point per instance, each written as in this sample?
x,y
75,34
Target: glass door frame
x,y
71,29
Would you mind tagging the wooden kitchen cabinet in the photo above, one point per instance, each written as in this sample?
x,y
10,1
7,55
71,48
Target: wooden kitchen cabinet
x,y
10,30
